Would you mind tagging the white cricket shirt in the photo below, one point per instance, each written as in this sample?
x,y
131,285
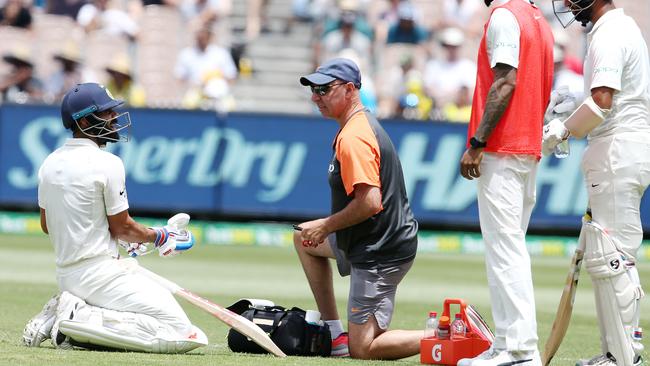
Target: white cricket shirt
x,y
79,185
617,58
502,37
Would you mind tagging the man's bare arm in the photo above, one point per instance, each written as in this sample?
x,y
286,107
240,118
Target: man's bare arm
x,y
498,98
365,204
122,226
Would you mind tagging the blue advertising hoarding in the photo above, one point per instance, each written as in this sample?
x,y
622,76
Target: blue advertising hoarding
x,y
273,166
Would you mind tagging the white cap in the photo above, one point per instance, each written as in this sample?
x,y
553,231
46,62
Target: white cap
x,y
405,11
452,37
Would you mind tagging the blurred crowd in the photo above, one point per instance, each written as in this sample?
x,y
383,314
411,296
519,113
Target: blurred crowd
x,y
416,56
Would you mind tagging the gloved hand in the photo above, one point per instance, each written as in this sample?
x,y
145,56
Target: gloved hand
x,y
561,104
554,133
174,237
133,249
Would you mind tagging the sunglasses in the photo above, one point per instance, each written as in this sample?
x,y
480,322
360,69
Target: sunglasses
x,y
322,90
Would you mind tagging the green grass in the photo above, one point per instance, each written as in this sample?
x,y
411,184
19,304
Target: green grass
x,y
226,274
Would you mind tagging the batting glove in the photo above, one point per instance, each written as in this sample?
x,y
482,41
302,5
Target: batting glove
x,y
561,104
554,133
133,249
171,241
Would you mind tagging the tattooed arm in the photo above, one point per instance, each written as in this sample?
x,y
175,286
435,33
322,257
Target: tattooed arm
x,y
498,98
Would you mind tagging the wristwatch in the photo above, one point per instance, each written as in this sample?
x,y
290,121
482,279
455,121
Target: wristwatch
x,y
475,143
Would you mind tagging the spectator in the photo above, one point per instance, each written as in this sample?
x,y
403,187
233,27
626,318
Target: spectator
x,y
70,73
207,70
20,86
205,12
459,110
406,30
173,3
68,8
121,84
345,37
400,91
348,9
257,18
98,16
16,14
443,78
462,14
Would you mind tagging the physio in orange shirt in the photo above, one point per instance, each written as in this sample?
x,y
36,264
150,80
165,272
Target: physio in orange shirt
x,y
371,231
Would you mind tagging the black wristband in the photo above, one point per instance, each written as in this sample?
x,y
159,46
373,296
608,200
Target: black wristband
x,y
475,143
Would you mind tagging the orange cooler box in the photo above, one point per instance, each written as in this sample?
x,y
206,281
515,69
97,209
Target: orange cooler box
x,y
446,351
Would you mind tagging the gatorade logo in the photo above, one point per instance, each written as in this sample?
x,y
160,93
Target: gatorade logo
x,y
436,352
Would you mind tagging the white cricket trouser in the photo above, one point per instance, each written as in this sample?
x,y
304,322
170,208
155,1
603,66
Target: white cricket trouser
x,y
506,196
617,173
102,282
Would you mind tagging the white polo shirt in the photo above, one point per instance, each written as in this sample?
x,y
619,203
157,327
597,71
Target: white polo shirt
x,y
79,185
617,58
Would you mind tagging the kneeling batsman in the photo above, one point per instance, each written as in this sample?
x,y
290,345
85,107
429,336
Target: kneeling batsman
x,y
143,317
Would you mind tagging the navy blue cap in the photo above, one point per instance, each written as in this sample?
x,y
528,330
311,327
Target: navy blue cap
x,y
85,99
334,69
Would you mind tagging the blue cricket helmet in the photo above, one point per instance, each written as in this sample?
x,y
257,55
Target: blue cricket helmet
x,y
85,99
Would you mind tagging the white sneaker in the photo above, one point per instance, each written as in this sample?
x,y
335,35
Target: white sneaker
x,y
39,327
638,361
600,360
606,360
507,358
488,354
68,304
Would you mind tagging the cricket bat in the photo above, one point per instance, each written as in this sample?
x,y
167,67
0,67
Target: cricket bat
x,y
233,320
564,309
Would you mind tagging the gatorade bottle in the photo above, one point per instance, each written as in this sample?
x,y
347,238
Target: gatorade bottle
x,y
458,328
443,328
431,325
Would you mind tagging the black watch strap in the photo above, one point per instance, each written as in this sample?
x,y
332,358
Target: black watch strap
x,y
475,143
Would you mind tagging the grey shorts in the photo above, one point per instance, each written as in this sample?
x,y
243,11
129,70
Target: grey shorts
x,y
372,290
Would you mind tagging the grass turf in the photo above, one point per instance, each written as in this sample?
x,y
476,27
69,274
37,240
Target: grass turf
x,y
228,273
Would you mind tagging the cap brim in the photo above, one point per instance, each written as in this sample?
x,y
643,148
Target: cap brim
x,y
17,61
114,71
316,79
66,59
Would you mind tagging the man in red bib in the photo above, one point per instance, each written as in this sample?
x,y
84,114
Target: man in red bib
x,y
513,86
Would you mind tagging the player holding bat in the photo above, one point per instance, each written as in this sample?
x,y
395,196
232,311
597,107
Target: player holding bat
x,y
84,210
616,166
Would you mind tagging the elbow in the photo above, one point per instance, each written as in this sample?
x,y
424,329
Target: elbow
x,y
374,207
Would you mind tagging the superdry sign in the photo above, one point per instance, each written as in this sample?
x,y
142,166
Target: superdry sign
x,y
272,166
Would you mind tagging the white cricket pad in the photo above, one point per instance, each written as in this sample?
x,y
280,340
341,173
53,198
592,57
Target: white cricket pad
x,y
97,335
120,330
584,119
617,295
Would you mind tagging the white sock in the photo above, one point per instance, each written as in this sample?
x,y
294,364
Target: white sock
x,y
336,327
